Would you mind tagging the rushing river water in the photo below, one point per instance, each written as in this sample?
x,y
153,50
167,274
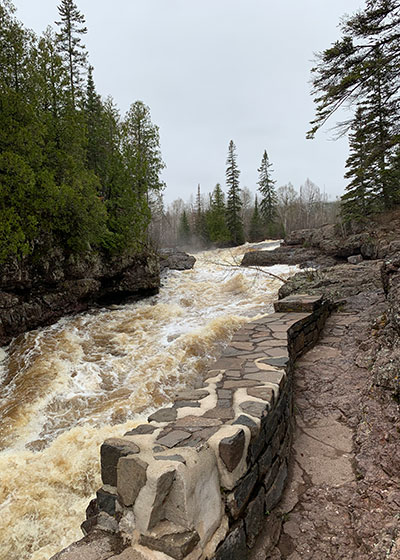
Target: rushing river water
x,y
67,387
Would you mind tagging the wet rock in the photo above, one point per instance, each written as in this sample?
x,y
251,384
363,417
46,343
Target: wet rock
x,y
106,501
175,260
231,450
176,545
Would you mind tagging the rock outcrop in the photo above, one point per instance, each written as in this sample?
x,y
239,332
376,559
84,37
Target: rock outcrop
x,y
175,260
302,256
330,244
37,293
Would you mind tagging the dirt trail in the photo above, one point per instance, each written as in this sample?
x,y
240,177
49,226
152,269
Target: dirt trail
x,y
343,496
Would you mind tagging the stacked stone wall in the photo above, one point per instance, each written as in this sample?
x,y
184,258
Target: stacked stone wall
x,y
200,478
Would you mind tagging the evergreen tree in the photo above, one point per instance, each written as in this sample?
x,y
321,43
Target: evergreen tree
x,y
216,218
142,158
269,199
357,203
200,222
233,219
184,233
361,69
72,27
96,125
257,229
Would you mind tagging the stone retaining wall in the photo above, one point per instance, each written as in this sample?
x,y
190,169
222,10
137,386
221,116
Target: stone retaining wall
x,y
199,478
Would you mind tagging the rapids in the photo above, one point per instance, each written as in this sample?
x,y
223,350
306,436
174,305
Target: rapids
x,y
67,387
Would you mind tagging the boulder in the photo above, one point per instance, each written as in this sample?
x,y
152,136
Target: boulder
x,y
175,260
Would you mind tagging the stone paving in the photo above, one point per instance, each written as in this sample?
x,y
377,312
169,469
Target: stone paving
x,y
341,501
196,481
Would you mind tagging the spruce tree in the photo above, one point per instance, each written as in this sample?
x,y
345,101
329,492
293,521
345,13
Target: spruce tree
x,y
200,227
72,27
268,202
233,219
257,229
184,233
96,133
361,69
357,202
216,218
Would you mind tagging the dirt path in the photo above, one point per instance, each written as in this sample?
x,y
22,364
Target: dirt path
x,y
343,496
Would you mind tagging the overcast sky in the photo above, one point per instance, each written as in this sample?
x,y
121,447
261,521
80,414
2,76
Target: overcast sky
x,y
215,70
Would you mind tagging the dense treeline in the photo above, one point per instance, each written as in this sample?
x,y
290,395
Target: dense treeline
x,y
219,219
361,70
72,172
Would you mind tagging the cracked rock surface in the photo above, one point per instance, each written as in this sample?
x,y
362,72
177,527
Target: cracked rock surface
x,y
342,500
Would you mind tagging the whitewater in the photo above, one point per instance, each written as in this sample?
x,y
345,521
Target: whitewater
x,y
67,387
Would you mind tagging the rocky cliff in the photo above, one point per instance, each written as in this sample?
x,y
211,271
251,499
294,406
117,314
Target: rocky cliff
x,y
37,292
330,244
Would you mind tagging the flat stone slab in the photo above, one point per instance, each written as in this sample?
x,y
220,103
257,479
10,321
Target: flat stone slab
x,y
173,438
298,303
163,415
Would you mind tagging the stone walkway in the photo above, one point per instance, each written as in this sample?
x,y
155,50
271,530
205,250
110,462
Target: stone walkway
x,y
337,502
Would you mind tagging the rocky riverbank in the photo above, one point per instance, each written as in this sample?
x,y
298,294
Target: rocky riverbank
x,y
37,293
342,499
330,245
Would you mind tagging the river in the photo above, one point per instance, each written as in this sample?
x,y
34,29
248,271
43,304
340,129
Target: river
x,y
67,387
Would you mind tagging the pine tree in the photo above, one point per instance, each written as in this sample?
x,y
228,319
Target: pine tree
x,y
357,202
216,218
257,229
361,69
233,219
184,233
72,27
269,199
95,124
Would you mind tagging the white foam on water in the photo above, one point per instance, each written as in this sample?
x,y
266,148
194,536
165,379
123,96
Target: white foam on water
x,y
67,387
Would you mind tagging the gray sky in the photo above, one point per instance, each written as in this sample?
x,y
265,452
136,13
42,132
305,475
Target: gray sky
x,y
215,70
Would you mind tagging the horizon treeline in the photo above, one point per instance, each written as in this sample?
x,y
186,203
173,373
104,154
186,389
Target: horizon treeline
x,y
73,173
360,71
230,218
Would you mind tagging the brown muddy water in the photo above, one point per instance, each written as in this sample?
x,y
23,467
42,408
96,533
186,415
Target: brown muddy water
x,y
67,387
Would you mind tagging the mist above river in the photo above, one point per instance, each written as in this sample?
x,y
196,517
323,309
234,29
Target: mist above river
x,y
67,387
